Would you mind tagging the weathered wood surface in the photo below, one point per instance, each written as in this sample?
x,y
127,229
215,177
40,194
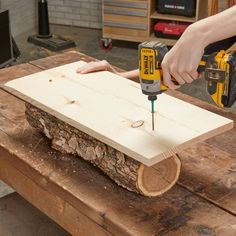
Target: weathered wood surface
x,y
106,107
89,116
118,212
209,167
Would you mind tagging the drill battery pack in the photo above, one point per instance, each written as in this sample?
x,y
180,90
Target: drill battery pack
x,y
220,73
230,99
177,7
170,29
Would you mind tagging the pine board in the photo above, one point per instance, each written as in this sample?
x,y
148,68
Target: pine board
x,y
105,106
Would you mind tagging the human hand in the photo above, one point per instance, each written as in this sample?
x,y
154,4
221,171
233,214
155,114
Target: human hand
x,y
96,66
106,66
182,61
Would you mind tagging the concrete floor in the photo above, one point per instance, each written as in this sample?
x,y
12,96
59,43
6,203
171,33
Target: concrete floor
x,y
123,55
19,218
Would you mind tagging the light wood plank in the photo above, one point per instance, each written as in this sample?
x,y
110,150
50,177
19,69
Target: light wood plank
x,y
124,32
156,15
105,106
125,19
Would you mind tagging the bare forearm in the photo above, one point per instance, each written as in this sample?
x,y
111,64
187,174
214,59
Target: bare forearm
x,y
182,61
133,74
217,27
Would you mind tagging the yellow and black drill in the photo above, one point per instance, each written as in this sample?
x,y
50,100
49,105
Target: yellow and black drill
x,y
219,69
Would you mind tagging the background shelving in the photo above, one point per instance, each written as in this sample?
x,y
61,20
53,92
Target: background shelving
x,y
134,20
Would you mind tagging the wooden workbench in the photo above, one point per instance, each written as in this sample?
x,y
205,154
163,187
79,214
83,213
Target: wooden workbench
x,y
85,202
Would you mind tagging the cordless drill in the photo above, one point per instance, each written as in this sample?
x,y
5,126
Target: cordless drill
x,y
219,69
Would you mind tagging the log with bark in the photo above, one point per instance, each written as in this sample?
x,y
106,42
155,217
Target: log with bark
x,y
124,170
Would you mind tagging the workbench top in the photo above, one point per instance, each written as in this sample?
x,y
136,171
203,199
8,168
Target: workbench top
x,y
85,202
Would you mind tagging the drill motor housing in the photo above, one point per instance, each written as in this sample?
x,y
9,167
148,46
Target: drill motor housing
x,y
151,55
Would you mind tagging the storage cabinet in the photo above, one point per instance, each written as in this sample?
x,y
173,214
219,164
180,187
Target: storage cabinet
x,y
125,20
134,20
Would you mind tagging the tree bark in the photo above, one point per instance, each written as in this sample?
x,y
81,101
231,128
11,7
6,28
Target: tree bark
x,y
124,170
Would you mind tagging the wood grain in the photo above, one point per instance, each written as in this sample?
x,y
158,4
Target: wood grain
x,y
180,212
105,106
90,193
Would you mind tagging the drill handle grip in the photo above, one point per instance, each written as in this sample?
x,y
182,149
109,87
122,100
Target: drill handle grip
x,y
202,65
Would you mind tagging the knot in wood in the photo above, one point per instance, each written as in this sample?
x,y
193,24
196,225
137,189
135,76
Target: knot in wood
x,y
137,124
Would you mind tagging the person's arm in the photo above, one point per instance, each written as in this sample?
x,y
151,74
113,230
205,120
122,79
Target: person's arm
x,y
105,66
182,61
133,74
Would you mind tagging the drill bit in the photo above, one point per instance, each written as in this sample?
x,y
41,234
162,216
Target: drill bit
x,y
153,123
152,98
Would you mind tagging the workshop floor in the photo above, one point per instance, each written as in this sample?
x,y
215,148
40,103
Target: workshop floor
x,y
19,218
123,55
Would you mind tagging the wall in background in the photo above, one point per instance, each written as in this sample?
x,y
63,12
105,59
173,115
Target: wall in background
x,y
85,13
22,14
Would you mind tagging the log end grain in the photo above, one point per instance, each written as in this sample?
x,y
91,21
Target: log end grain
x,y
157,179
